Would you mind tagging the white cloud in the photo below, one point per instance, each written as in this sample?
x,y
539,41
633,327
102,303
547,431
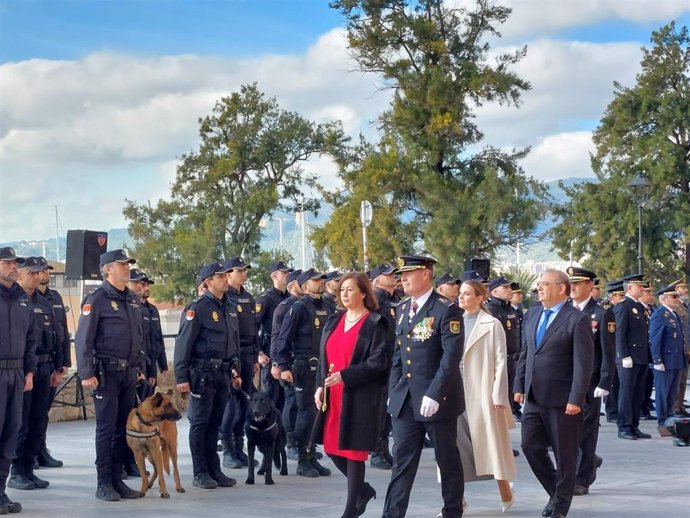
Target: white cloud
x,y
564,155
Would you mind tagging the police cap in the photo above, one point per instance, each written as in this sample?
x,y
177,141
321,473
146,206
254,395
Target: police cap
x,y
614,287
634,279
311,273
136,275
515,286
115,256
680,283
471,275
235,263
7,253
497,282
447,278
32,264
381,269
279,266
668,290
45,264
333,276
576,274
293,275
408,263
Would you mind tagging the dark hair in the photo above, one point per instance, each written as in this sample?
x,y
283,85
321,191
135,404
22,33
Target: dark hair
x,y
364,285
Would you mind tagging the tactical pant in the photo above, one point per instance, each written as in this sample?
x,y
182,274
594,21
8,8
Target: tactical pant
x,y
304,381
588,442
208,399
612,398
34,420
11,393
235,412
289,408
113,400
272,386
630,396
511,366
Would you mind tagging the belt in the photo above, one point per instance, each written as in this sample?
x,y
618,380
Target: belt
x,y
11,364
312,361
115,364
212,364
45,358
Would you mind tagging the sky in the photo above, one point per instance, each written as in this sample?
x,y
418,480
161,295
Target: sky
x,y
100,98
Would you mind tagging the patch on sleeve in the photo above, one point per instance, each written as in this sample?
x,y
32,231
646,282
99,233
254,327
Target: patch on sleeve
x,y
258,308
454,326
190,314
612,327
86,310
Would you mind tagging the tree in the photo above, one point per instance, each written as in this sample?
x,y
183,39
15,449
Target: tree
x,y
249,163
457,197
646,128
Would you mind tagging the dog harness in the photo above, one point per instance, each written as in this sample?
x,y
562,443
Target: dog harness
x,y
143,435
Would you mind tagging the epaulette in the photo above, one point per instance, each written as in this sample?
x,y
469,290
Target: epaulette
x,y
445,301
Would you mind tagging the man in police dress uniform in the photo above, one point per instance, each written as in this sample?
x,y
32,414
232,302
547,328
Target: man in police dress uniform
x,y
206,351
666,343
44,457
330,295
110,355
144,386
158,357
297,355
603,331
425,389
632,358
17,364
49,361
266,305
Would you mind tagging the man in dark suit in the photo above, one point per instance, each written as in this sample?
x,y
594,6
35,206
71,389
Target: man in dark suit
x,y
632,358
603,326
552,379
425,389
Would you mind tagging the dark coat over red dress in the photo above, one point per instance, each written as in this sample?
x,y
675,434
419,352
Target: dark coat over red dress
x,y
364,377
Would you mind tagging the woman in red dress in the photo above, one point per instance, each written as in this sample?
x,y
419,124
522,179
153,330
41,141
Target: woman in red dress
x,y
354,367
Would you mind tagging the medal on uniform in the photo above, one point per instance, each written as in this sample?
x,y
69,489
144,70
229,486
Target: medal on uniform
x,y
424,329
317,323
214,316
239,308
634,310
114,305
612,327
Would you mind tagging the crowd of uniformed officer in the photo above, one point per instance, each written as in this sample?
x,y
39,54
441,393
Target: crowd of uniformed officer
x,y
227,337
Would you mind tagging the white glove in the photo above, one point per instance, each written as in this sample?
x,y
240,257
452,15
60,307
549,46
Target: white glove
x,y
659,367
627,362
429,407
600,392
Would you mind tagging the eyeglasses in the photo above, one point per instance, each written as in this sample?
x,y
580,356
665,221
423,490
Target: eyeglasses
x,y
541,284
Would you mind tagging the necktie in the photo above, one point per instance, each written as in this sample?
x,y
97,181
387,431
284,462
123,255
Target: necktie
x,y
542,328
415,307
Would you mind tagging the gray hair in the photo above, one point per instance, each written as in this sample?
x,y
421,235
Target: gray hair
x,y
562,278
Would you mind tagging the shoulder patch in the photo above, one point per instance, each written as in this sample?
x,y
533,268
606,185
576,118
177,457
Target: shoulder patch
x,y
612,327
454,326
86,310
257,307
190,314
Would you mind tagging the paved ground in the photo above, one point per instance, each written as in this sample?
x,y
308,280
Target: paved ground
x,y
645,478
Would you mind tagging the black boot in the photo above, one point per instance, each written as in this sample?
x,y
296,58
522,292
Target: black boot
x,y
8,506
230,459
19,480
304,465
204,481
379,458
107,493
38,482
222,479
322,471
239,452
46,460
125,491
367,493
291,446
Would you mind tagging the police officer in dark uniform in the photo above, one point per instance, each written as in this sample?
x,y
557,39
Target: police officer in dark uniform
x,y
516,301
44,457
110,357
667,345
499,306
232,427
615,293
144,386
49,361
425,389
384,283
297,355
289,407
330,296
206,351
603,329
448,286
17,364
266,305
632,358
158,357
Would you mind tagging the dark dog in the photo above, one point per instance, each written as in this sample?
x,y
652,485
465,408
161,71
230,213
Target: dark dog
x,y
152,434
264,429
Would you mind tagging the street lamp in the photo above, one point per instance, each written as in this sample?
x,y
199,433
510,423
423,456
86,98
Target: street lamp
x,y
640,184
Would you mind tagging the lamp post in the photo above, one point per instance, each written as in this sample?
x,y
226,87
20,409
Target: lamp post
x,y
640,184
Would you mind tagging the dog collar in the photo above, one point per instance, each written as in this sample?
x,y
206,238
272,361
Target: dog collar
x,y
142,421
142,435
263,429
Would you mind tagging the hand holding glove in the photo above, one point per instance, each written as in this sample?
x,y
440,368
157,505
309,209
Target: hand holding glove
x,y
429,407
627,362
600,392
659,367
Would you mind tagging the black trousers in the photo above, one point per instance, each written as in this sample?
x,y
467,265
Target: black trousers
x,y
34,420
113,400
588,442
544,426
631,395
235,413
612,398
511,365
304,382
408,436
272,386
289,408
205,415
11,394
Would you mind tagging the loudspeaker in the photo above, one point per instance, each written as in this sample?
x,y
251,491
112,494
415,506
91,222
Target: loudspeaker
x,y
84,249
481,266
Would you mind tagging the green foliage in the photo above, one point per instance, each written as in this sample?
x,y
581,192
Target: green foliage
x,y
438,189
525,278
248,164
259,279
646,128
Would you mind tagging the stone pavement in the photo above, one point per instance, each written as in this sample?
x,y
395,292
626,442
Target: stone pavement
x,y
639,479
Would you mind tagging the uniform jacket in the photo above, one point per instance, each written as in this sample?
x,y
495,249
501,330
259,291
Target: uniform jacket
x,y
426,358
387,305
508,316
17,330
110,326
300,333
61,320
604,333
278,317
560,372
47,331
208,330
486,384
666,339
157,342
363,382
266,305
631,332
246,316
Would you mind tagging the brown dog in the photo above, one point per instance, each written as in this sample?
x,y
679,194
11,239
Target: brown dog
x,y
152,435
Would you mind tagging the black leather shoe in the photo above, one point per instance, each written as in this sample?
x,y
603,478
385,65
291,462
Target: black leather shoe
x,y
46,460
107,493
305,469
204,481
641,435
21,482
364,497
548,509
8,506
222,479
322,471
516,453
598,461
38,482
627,435
580,490
379,462
125,491
556,514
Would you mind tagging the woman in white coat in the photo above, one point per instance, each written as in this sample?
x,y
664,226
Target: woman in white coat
x,y
486,391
